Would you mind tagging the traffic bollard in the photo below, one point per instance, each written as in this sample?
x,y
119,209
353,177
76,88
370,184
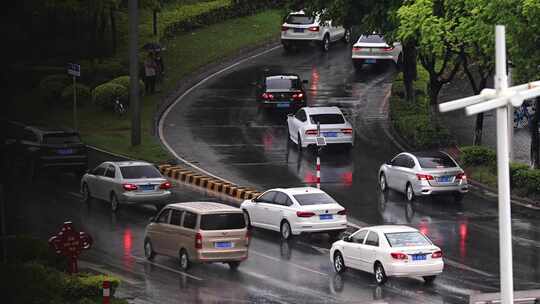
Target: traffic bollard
x,y
106,292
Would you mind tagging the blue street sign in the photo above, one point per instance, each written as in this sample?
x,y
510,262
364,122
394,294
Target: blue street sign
x,y
74,69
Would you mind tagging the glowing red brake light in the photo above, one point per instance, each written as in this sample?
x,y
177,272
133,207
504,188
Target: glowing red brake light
x,y
461,176
424,176
342,212
284,28
311,132
398,255
267,96
165,186
388,49
436,254
356,48
347,131
198,241
129,187
298,96
304,214
313,28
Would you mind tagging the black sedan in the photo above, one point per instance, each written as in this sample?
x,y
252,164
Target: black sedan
x,y
282,91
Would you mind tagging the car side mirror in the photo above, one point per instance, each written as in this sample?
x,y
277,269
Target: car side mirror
x,y
347,239
305,81
389,162
289,114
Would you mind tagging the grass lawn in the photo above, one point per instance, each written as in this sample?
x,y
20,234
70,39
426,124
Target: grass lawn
x,y
185,53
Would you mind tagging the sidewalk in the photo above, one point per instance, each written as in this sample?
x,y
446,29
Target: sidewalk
x,y
461,126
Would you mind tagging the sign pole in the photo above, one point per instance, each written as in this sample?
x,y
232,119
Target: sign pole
x,y
503,172
75,123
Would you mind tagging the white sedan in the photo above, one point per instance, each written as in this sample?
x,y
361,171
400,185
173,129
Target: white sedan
x,y
302,126
292,211
371,49
388,251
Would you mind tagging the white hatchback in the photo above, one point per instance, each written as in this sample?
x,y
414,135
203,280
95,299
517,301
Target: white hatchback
x,y
302,126
292,211
388,251
371,49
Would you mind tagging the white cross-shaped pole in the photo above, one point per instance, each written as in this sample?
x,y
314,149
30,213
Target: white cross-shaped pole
x,y
499,99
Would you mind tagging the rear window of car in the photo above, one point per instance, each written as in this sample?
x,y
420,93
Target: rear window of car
x,y
432,162
326,119
223,221
314,199
133,172
372,39
282,83
407,239
300,19
58,139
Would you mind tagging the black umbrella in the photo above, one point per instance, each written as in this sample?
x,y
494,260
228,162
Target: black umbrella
x,y
153,46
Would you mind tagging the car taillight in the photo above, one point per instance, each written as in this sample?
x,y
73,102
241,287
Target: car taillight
x,y
313,28
298,96
346,131
342,212
311,132
129,187
461,176
436,254
198,241
165,186
304,214
356,48
398,255
284,28
388,49
267,96
424,176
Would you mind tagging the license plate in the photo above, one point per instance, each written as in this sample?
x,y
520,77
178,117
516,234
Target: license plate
x,y
444,179
283,105
223,245
418,257
371,60
325,216
298,30
146,187
65,151
330,134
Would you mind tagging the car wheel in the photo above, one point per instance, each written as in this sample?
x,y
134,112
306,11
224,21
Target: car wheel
x,y
184,260
409,193
299,142
148,250
248,219
115,204
325,44
429,279
339,264
285,230
458,197
347,36
380,275
233,265
87,197
382,182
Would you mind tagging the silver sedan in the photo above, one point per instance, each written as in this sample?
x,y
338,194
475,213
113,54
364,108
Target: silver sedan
x,y
423,174
126,182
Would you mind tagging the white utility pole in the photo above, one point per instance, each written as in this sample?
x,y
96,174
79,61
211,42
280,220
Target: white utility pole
x,y
499,99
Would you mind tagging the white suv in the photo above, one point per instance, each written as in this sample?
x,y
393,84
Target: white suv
x,y
302,28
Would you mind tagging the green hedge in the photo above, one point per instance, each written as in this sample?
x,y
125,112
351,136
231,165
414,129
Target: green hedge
x,y
105,94
478,156
124,81
51,87
84,95
87,285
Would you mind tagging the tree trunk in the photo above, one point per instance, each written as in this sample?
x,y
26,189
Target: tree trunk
x,y
535,137
478,129
154,22
409,69
112,17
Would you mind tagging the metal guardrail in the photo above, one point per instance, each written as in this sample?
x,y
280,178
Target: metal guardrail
x,y
522,297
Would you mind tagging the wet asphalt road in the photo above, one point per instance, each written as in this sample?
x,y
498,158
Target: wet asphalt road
x,y
218,127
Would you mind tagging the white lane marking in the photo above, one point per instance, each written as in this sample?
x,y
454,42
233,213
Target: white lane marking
x,y
465,267
168,110
289,263
75,194
141,260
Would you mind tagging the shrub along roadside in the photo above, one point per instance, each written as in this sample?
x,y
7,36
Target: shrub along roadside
x,y
481,165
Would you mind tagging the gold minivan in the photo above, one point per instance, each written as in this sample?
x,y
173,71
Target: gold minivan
x,y
203,232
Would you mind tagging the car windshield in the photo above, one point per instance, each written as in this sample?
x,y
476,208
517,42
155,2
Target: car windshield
x,y
314,199
371,39
58,139
135,172
407,239
284,83
224,221
432,162
326,119
300,19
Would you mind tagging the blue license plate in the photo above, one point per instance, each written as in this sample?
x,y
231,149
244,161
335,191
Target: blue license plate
x,y
325,216
298,30
283,105
418,257
371,60
444,179
330,134
65,151
223,245
146,187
